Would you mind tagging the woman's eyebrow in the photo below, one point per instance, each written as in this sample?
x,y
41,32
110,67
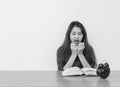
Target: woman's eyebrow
x,y
73,32
80,32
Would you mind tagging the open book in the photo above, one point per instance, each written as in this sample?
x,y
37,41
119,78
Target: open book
x,y
77,71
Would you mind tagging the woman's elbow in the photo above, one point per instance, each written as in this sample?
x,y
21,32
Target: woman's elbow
x,y
60,68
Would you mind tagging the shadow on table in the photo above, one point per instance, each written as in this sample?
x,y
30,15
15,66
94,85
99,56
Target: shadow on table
x,y
75,81
81,81
103,83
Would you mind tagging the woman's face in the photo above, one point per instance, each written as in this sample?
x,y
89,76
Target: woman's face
x,y
76,34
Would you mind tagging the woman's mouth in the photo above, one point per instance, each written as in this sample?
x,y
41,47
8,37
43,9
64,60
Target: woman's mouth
x,y
77,41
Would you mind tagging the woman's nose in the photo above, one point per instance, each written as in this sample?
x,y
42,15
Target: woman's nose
x,y
76,36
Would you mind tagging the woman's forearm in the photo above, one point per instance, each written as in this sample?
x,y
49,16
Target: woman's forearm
x,y
70,61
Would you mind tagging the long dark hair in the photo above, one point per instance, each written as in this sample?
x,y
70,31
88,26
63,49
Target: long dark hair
x,y
64,51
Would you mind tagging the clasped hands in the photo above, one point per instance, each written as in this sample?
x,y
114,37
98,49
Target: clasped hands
x,y
77,48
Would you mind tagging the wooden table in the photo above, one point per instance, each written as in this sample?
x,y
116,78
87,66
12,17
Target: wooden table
x,y
54,79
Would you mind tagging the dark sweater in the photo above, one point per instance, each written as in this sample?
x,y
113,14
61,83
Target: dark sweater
x,y
62,63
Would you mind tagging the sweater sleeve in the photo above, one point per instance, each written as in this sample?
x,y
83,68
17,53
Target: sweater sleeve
x,y
60,60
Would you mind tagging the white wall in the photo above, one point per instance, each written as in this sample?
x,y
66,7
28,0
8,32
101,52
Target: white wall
x,y
32,30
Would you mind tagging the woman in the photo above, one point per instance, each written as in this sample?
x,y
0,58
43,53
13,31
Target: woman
x,y
75,50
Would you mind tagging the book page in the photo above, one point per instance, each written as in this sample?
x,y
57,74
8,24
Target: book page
x,y
89,71
72,71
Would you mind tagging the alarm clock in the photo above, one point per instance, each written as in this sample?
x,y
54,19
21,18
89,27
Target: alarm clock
x,y
103,70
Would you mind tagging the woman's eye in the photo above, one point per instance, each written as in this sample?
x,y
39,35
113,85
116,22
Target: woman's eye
x,y
73,33
79,33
